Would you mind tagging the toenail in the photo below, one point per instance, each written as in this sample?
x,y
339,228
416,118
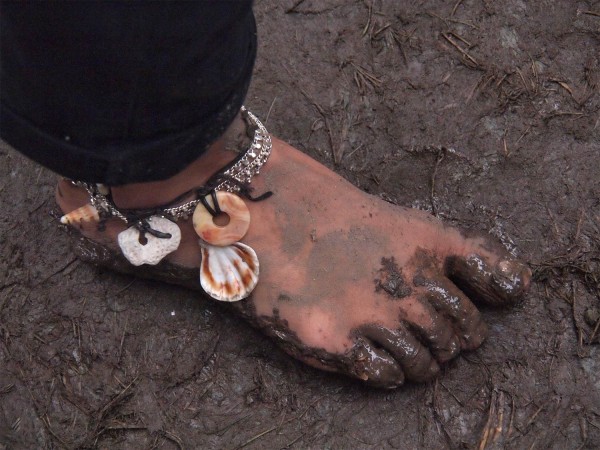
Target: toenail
x,y
471,341
504,267
434,369
454,346
510,276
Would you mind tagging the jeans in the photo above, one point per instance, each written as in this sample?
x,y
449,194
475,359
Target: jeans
x,y
122,92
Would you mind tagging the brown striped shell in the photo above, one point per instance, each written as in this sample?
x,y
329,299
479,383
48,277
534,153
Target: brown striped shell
x,y
228,273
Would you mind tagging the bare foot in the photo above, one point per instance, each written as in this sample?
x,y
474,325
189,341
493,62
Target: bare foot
x,y
349,283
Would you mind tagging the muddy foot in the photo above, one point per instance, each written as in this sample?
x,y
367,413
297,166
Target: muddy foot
x,y
350,283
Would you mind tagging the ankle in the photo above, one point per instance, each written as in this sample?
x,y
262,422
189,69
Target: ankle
x,y
218,155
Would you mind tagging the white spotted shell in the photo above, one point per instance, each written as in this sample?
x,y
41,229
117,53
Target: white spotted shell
x,y
86,213
154,249
228,273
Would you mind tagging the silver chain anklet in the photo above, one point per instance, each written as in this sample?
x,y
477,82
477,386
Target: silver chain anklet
x,y
239,174
229,269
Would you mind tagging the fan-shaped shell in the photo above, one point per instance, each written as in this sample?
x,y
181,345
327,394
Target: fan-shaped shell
x,y
154,249
235,230
86,213
228,273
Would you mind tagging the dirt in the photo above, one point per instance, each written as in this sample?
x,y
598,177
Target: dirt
x,y
485,113
391,279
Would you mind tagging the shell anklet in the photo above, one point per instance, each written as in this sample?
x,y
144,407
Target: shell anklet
x,y
229,269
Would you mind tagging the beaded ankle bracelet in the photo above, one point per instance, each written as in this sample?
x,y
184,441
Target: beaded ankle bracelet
x,y
229,269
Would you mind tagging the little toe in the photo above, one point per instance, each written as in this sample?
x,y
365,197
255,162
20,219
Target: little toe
x,y
375,366
495,278
417,363
453,304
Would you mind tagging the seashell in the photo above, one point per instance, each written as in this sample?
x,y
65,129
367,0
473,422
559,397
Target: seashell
x,y
154,249
235,230
228,273
86,213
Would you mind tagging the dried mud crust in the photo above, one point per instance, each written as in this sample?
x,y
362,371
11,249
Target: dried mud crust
x,y
485,113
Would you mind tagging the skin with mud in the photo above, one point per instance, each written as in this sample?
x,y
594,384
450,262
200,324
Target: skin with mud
x,y
326,294
482,113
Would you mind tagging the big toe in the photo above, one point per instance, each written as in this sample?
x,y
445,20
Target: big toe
x,y
493,276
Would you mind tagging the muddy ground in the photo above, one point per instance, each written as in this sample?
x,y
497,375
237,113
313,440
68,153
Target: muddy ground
x,y
485,113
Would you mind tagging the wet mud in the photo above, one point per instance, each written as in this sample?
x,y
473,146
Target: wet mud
x,y
391,280
484,113
364,361
105,257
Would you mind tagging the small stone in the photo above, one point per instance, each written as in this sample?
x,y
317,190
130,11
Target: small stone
x,y
592,316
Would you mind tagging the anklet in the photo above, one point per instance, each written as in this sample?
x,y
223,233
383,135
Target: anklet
x,y
229,269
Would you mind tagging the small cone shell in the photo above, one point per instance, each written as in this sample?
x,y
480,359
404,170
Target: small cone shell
x,y
228,273
235,230
87,213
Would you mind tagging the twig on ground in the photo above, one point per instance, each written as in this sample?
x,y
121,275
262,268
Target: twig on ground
x,y
292,9
483,442
46,422
172,437
120,397
562,113
269,112
580,101
120,291
380,30
500,422
122,341
470,61
6,389
337,147
294,441
583,427
579,222
368,24
594,333
258,436
512,417
440,157
523,134
339,151
396,37
438,417
455,7
73,260
450,19
535,414
355,150
452,394
580,351
367,76
591,13
460,38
